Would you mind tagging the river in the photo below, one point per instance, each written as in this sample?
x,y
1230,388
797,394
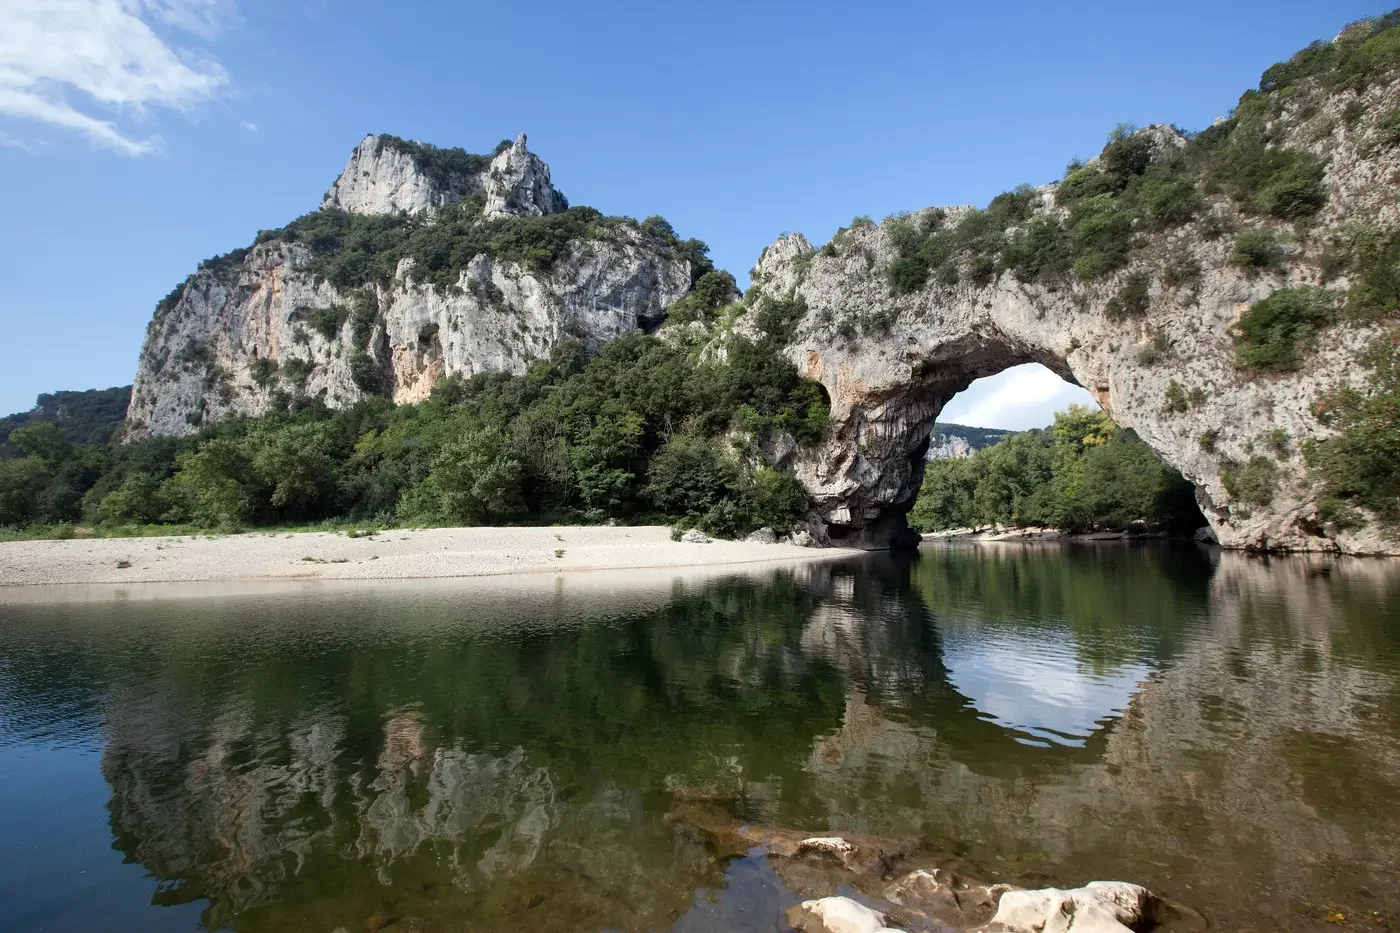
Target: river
x,y
507,754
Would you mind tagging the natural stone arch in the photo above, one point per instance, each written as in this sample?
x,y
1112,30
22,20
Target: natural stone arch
x,y
890,363
872,462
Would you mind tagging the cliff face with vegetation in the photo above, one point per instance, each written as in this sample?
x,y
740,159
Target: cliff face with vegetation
x,y
1227,295
1230,296
422,263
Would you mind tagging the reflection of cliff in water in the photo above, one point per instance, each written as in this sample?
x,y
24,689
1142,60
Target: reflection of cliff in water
x,y
480,777
349,762
1258,770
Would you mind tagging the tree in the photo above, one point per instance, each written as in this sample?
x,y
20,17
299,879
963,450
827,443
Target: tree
x,y
141,499
688,476
477,478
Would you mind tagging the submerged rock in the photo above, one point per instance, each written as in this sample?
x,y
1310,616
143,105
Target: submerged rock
x,y
904,888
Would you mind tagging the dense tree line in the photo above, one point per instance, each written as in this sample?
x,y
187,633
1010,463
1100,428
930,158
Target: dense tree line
x,y
1082,473
647,429
90,417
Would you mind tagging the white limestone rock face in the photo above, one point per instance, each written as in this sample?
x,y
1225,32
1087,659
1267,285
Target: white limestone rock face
x,y
890,363
210,346
518,183
382,178
948,447
201,356
389,176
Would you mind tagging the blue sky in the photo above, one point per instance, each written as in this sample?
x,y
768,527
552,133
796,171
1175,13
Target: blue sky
x,y
138,137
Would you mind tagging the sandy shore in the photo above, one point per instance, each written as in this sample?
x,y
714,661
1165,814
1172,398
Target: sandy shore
x,y
387,555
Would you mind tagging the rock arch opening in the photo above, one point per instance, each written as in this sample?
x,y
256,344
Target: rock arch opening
x,y
867,475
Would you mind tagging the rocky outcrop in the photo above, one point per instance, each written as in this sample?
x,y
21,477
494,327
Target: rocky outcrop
x,y
261,321
518,183
890,362
948,447
388,175
1098,907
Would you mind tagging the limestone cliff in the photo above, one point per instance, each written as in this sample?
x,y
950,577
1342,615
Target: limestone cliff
x,y
1155,339
387,175
255,327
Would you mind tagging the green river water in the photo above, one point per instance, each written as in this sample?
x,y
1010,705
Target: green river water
x,y
507,754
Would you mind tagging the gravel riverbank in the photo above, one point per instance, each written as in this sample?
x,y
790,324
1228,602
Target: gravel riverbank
x,y
385,555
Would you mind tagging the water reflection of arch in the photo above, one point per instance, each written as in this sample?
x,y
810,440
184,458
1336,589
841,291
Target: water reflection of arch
x,y
878,626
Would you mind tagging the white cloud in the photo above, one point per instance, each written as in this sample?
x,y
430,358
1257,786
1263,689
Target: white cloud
x,y
82,65
1016,399
250,127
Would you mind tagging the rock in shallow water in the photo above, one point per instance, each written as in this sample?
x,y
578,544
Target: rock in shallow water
x,y
1098,907
836,915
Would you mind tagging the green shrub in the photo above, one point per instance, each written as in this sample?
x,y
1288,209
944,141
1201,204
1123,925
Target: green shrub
x,y
1182,270
352,251
1258,250
1252,483
908,274
1361,64
264,371
1208,440
973,246
477,479
1101,235
1386,135
445,167
1039,251
689,475
1158,350
713,290
1289,184
364,316
1014,207
1132,300
141,499
775,500
297,371
364,372
1372,259
1176,401
1171,202
1273,333
1080,184
1359,465
1127,155
327,321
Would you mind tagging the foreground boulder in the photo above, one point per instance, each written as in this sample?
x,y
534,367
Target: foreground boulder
x,y
836,915
893,884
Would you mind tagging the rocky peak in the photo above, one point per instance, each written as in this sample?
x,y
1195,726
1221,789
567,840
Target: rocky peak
x,y
518,183
386,175
775,267
389,175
